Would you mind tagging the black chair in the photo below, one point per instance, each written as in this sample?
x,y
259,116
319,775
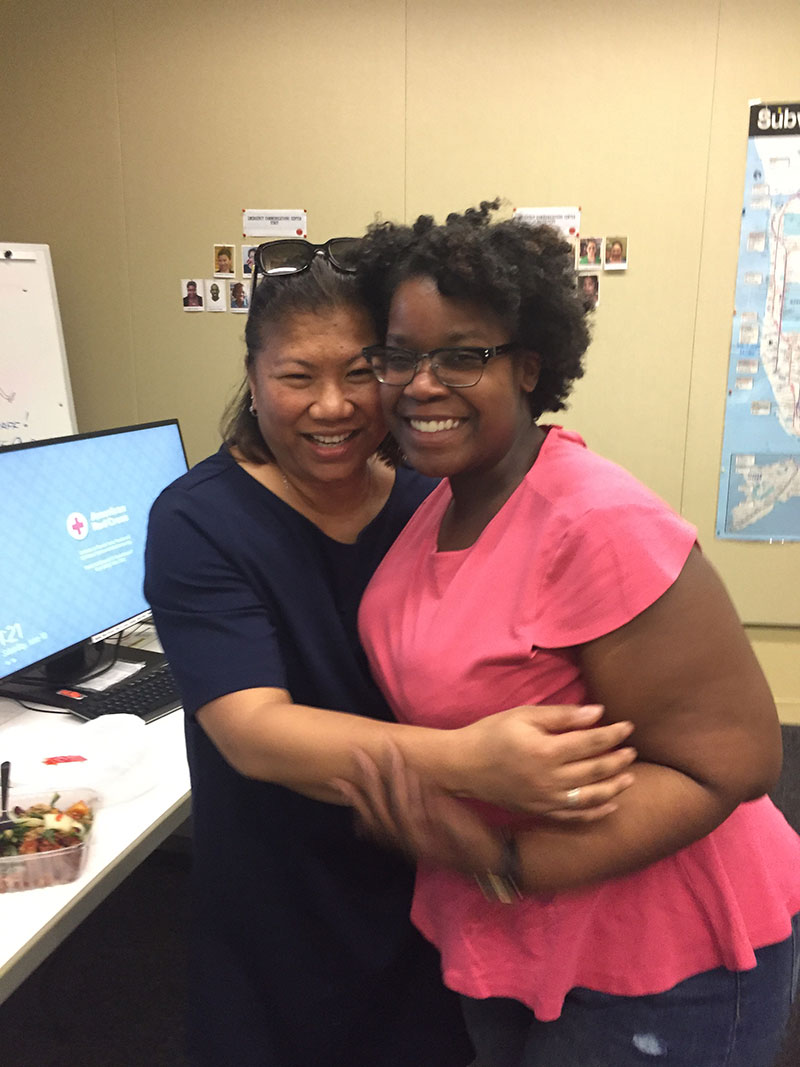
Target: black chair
x,y
786,794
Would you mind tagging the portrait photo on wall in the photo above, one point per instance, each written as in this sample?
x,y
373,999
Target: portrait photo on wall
x,y
223,262
248,259
616,253
239,298
191,293
589,253
216,296
589,286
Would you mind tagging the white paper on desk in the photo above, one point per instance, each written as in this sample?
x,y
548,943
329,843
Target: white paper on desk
x,y
118,763
111,675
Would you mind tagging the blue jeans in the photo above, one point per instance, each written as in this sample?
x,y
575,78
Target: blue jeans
x,y
716,1019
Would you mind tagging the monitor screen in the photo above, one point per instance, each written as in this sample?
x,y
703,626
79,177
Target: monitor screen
x,y
75,520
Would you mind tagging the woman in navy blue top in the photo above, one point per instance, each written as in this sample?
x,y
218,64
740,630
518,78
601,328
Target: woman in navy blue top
x,y
302,951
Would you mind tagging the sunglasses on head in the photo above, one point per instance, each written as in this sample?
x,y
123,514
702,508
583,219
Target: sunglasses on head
x,y
294,255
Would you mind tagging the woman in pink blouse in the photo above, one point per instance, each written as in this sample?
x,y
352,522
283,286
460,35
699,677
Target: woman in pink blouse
x,y
540,573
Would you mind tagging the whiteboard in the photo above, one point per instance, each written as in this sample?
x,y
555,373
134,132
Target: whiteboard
x,y
35,392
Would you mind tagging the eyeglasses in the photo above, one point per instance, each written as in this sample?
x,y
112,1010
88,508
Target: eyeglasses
x,y
295,254
457,368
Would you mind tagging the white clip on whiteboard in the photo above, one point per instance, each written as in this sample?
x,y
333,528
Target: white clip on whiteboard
x,y
35,392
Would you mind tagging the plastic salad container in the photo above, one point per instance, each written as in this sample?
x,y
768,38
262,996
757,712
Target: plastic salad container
x,y
45,822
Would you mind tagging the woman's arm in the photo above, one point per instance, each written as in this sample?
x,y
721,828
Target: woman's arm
x,y
707,732
218,633
526,758
707,735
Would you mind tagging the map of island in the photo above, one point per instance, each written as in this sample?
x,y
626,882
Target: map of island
x,y
763,482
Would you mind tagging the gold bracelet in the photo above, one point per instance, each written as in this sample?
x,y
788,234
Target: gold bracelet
x,y
502,886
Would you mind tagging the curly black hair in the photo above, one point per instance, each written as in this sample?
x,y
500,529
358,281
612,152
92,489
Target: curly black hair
x,y
524,274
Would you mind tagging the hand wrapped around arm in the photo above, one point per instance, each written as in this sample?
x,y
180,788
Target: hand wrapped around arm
x,y
526,759
396,807
706,731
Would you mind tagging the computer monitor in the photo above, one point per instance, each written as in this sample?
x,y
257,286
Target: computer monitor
x,y
72,560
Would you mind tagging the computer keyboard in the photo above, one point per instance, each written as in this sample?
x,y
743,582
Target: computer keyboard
x,y
149,695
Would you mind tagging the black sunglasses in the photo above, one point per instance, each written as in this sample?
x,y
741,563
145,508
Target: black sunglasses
x,y
294,255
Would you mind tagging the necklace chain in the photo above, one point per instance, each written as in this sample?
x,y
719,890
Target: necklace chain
x,y
290,488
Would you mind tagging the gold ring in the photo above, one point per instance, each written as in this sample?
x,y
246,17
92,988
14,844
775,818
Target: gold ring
x,y
573,798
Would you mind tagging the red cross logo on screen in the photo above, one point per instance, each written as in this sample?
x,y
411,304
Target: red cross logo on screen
x,y
77,525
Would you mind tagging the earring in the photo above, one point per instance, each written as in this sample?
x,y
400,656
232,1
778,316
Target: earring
x,y
252,408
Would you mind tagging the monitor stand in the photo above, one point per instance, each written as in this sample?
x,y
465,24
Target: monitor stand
x,y
61,683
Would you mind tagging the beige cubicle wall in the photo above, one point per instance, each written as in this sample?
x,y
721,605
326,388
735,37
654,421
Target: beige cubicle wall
x,y
134,134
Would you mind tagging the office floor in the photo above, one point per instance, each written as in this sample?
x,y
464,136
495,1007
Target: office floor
x,y
112,994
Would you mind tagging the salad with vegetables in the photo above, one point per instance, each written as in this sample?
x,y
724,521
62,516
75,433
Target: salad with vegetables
x,y
45,828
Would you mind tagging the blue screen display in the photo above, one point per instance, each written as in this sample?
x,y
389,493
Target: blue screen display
x,y
75,519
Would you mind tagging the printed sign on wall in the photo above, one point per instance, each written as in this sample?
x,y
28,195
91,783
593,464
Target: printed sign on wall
x,y
274,222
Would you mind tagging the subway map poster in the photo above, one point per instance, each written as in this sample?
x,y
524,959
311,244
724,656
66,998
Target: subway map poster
x,y
759,493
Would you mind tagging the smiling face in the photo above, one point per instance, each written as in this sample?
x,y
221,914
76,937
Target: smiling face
x,y
224,263
591,251
484,430
316,397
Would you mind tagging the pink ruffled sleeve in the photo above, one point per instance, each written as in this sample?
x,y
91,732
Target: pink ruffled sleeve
x,y
608,565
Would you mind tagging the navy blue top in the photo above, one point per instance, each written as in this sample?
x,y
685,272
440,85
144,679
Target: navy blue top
x,y
303,952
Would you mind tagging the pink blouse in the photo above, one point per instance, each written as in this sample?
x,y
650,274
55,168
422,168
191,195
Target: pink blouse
x,y
578,550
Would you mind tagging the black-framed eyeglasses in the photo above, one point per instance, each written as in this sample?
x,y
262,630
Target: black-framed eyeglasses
x,y
294,255
457,368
